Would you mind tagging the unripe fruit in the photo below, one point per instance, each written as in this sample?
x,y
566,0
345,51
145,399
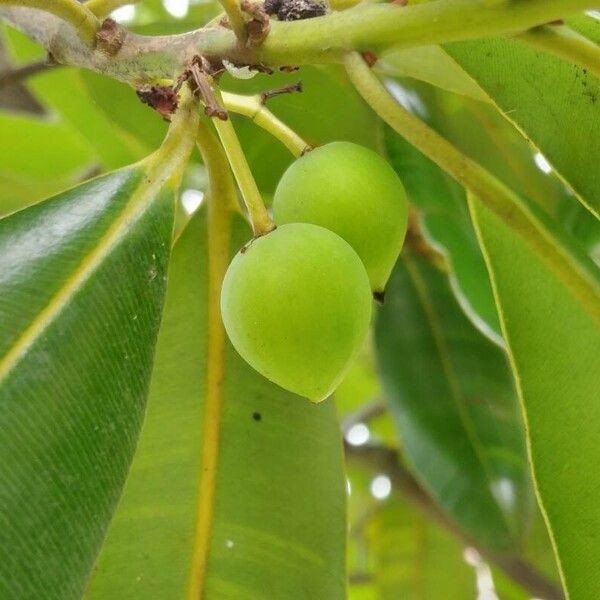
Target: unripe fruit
x,y
296,304
353,192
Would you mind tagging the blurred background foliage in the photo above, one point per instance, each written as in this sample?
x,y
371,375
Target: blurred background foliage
x,y
440,495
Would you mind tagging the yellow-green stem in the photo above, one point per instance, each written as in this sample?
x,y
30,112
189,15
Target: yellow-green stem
x,y
565,43
103,8
482,184
252,107
235,17
259,217
221,197
81,18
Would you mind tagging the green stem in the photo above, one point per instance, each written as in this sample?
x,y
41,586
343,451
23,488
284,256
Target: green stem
x,y
103,8
493,193
309,41
565,43
259,217
235,17
374,26
220,196
221,185
252,107
84,22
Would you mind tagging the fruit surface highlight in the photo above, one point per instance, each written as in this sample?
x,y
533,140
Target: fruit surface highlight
x,y
353,192
296,304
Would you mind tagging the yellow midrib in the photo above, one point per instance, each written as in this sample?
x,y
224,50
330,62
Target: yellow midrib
x,y
163,167
76,280
219,228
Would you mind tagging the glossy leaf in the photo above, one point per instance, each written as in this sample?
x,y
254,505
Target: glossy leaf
x,y
555,104
442,208
30,168
432,65
63,92
450,391
278,526
554,346
415,559
82,278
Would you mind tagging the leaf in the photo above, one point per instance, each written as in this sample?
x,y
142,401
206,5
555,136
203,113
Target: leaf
x,y
554,104
432,65
445,220
82,278
414,558
278,522
62,91
119,105
451,394
554,347
24,157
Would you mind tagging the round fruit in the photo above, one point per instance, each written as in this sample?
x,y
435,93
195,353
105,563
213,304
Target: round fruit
x,y
296,304
353,192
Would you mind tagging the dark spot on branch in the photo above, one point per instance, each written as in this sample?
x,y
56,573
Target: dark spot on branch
x,y
256,416
162,99
297,10
110,37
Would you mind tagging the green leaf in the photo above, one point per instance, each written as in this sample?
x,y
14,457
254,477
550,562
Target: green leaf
x,y
29,168
543,95
278,526
455,408
120,105
82,278
414,558
432,65
63,92
553,343
442,208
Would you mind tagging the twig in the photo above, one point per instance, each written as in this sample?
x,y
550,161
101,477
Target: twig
x,y
204,87
18,74
366,413
82,19
379,459
286,89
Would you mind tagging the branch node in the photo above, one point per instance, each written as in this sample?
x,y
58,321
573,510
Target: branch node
x,y
162,99
110,37
258,25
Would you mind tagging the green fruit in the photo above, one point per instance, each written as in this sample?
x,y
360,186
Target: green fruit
x,y
353,192
296,304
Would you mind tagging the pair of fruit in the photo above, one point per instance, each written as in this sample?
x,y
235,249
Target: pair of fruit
x,y
296,303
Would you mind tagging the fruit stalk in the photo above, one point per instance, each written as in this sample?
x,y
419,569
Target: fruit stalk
x,y
259,217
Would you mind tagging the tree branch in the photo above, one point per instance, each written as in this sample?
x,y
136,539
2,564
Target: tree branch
x,y
379,459
18,74
144,59
70,11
